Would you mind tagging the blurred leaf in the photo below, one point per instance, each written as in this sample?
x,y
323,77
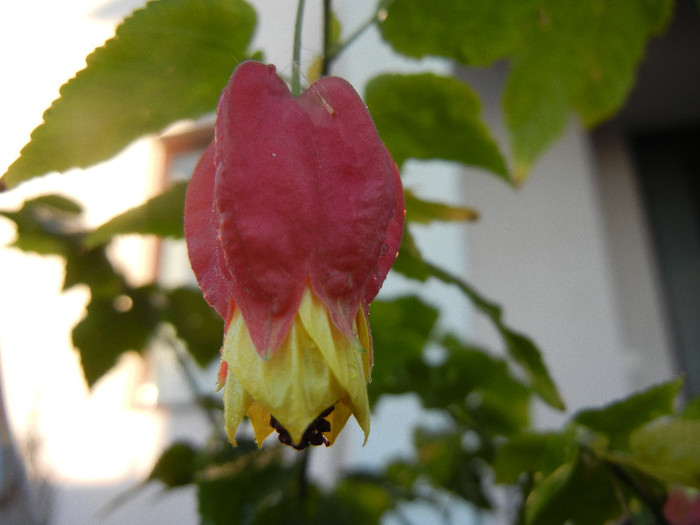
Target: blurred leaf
x,y
112,327
354,500
691,410
443,459
424,212
196,323
240,490
411,264
528,356
176,466
426,116
470,32
161,215
539,454
409,261
574,54
45,225
168,61
478,390
400,331
617,420
669,450
581,493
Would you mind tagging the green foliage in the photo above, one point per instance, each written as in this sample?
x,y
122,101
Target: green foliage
x,y
427,116
161,215
477,33
574,55
424,212
168,61
668,450
577,55
580,492
411,264
619,419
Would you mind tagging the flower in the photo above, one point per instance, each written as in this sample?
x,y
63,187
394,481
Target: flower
x,y
293,218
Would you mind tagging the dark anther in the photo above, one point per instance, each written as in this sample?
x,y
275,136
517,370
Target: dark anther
x,y
313,435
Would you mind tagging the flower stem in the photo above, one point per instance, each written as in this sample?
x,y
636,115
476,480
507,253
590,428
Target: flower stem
x,y
296,53
327,30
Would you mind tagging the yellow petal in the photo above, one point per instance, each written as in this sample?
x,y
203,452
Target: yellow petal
x,y
316,367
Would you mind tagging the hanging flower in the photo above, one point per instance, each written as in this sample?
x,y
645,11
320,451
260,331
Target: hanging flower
x,y
293,218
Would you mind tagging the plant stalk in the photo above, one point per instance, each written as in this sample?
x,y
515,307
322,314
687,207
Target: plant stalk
x,y
296,52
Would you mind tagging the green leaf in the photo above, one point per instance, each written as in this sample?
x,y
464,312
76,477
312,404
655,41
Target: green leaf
x,y
574,54
240,490
444,460
669,450
424,212
533,454
176,466
581,492
470,32
479,390
168,61
426,116
617,420
161,215
521,349
524,351
44,225
196,323
112,327
400,330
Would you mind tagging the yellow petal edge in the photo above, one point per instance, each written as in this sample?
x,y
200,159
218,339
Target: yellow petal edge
x,y
316,367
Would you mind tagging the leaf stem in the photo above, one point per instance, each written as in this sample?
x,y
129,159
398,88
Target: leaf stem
x,y
296,52
330,55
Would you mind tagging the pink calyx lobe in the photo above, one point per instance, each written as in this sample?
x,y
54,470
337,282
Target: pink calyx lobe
x,y
295,192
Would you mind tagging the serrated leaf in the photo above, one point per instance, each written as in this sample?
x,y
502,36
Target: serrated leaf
x,y
168,61
160,215
470,32
424,212
426,116
668,450
617,420
574,54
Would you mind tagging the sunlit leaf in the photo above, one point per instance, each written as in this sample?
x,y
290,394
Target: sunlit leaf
x,y
617,420
424,212
161,215
168,61
426,116
469,32
45,225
